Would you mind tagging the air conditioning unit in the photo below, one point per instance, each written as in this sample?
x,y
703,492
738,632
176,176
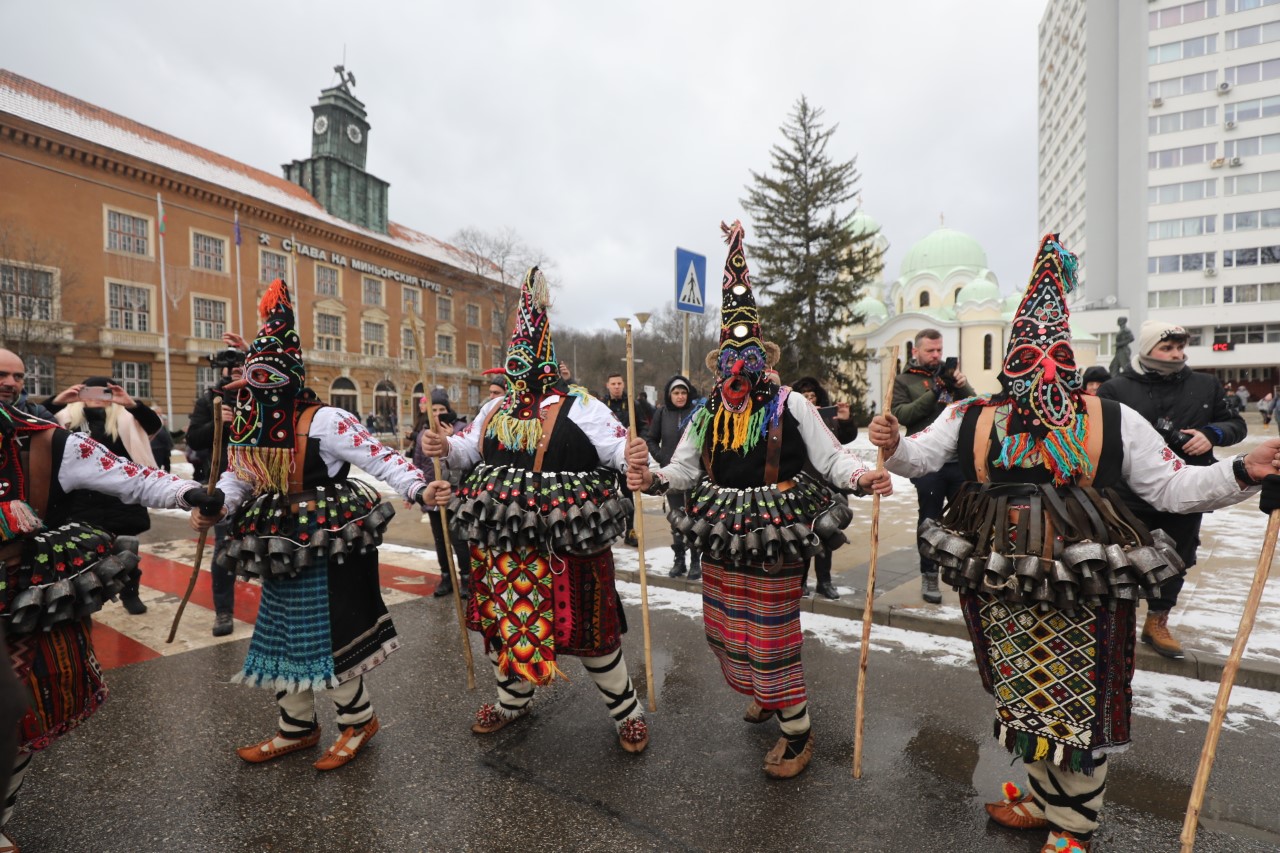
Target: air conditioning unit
x,y
1235,161
1157,102
1219,163
1210,272
1223,88
1231,125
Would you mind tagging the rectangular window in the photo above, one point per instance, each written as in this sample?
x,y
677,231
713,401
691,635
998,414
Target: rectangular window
x,y
411,300
1186,120
1252,72
329,332
473,396
1164,264
497,322
1188,191
1168,229
208,252
1258,182
39,381
1188,84
444,348
129,307
1252,110
408,343
327,283
473,315
206,377
128,233
209,318
499,357
1255,35
473,356
272,265
1251,220
444,309
375,338
133,376
26,293
371,288
1184,298
1192,47
1184,14
1246,5
1173,157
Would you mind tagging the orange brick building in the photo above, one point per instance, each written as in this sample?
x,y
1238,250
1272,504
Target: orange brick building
x,y
83,289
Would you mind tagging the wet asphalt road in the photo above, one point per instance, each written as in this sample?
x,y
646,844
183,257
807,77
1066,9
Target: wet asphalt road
x,y
155,770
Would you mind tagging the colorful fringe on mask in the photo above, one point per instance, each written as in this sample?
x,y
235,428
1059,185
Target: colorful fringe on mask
x,y
1062,451
737,431
515,433
18,518
266,468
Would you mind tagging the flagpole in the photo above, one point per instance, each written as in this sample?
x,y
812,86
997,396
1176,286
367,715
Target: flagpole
x,y
164,310
297,288
239,289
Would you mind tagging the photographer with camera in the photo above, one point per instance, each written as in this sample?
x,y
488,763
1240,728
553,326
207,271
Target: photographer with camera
x,y
927,386
1193,414
229,364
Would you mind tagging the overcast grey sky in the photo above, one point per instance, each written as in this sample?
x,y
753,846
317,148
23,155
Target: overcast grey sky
x,y
606,134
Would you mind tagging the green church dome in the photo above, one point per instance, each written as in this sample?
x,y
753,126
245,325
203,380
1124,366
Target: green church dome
x,y
943,251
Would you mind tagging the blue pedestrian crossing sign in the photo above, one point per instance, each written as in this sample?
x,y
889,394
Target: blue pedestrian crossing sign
x,y
691,282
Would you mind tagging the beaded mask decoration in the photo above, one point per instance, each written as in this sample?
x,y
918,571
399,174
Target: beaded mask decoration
x,y
261,430
16,515
531,370
1039,376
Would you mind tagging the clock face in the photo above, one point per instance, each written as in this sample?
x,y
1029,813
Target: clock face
x,y
321,125
354,134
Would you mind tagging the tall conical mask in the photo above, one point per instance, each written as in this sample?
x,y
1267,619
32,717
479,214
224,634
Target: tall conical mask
x,y
261,429
531,369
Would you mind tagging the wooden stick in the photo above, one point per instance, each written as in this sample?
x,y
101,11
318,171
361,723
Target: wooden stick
x,y
448,552
215,471
639,501
863,653
1210,749
434,425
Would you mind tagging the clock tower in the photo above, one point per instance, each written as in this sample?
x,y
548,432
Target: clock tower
x,y
335,172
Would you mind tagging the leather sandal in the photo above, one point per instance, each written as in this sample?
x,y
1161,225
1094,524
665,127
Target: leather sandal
x,y
265,751
342,751
776,766
757,714
489,719
633,734
1014,811
1065,842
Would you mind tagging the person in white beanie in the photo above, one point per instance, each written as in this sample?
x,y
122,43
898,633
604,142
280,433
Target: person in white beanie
x,y
1192,413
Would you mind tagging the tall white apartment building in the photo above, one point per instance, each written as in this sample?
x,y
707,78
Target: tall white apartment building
x,y
1160,165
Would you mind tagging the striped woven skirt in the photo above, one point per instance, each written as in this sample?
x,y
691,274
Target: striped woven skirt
x,y
62,678
753,625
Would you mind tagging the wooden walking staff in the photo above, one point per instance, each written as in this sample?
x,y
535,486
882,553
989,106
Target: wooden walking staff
x,y
434,425
871,585
1228,680
215,471
639,502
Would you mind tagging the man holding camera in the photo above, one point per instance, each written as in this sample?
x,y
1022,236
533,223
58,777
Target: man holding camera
x,y
229,364
1193,414
920,393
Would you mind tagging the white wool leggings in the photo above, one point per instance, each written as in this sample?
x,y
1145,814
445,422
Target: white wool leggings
x,y
609,673
1071,801
20,764
298,710
794,719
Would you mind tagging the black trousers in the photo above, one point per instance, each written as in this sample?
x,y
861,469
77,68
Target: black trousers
x,y
933,491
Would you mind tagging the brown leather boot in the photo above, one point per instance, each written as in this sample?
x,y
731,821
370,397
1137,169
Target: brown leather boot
x,y
1155,633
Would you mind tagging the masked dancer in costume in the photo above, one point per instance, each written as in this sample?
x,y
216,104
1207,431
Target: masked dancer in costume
x,y
311,535
540,506
57,571
1048,561
756,514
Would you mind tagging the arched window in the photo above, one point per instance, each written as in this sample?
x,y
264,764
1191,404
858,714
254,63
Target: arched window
x,y
955,297
987,346
385,402
924,299
909,348
344,394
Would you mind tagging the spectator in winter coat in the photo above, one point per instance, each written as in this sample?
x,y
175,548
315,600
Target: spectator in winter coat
x,y
125,427
1265,406
13,375
662,437
615,397
448,418
1193,414
841,424
162,444
1093,378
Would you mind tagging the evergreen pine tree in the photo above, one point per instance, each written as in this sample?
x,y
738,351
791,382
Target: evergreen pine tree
x,y
809,267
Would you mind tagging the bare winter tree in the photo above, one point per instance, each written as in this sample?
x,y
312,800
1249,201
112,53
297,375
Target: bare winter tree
x,y
502,255
34,271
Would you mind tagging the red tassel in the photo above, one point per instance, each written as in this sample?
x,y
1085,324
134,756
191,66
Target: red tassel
x,y
277,295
